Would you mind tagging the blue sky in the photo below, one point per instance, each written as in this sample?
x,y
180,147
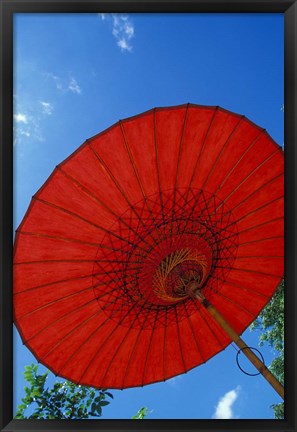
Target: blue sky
x,y
75,75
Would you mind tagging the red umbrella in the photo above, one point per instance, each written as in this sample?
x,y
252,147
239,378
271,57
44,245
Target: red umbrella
x,y
136,241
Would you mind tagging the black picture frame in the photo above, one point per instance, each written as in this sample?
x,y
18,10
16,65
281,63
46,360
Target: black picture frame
x,y
10,7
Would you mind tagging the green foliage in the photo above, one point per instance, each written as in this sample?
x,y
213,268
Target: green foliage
x,y
271,323
141,414
64,400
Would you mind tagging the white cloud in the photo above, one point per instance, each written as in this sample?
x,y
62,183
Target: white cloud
x,y
21,118
63,84
27,124
122,43
47,107
24,133
73,86
122,30
224,408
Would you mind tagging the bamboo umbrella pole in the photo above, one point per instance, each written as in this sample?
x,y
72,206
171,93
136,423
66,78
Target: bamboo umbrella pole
x,y
194,291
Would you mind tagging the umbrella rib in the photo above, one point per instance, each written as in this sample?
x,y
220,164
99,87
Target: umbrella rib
x,y
75,261
44,306
247,177
229,212
62,209
268,183
55,237
177,168
251,271
180,153
254,227
179,340
134,349
158,165
92,334
258,256
86,340
72,331
256,210
66,280
128,150
54,302
262,240
86,191
240,286
81,324
76,182
70,295
120,189
103,344
54,283
249,214
236,304
121,344
207,324
194,334
88,303
53,261
202,149
72,240
240,159
149,348
222,151
94,300
116,270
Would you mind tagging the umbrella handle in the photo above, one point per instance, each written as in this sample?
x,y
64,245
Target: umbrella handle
x,y
240,343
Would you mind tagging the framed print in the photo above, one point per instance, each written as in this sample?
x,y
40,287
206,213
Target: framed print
x,y
148,263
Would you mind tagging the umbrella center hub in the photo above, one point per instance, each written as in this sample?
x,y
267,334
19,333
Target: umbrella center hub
x,y
157,250
176,271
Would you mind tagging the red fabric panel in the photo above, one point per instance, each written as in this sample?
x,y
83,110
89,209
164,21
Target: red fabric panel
x,y
29,276
140,138
198,123
136,364
46,220
111,149
94,177
169,129
222,127
54,249
239,142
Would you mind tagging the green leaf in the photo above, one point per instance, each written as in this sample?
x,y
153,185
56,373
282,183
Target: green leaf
x,y
99,410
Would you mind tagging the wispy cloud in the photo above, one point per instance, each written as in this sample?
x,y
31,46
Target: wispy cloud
x,y
122,30
20,118
223,409
27,126
64,84
28,120
47,108
73,86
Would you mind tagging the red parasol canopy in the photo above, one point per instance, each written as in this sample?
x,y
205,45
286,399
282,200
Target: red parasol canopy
x,y
107,249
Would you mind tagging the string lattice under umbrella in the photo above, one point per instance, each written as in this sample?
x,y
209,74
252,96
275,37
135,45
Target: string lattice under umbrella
x,y
151,248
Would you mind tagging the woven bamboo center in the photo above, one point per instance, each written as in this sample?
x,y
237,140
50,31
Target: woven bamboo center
x,y
155,249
